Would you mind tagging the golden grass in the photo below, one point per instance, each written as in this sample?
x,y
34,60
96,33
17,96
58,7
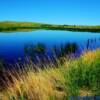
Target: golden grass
x,y
34,86
47,84
89,56
85,92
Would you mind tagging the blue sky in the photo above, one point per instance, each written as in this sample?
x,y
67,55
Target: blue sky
x,y
81,12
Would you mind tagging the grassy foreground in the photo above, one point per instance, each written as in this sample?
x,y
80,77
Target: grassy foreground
x,y
9,26
75,77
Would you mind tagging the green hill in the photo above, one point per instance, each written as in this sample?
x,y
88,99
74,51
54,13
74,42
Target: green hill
x,y
7,26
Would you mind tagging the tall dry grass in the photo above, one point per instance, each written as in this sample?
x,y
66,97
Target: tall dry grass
x,y
72,78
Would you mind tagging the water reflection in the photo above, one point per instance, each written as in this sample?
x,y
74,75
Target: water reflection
x,y
45,45
40,53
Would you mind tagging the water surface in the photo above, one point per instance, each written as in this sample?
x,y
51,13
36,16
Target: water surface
x,y
12,45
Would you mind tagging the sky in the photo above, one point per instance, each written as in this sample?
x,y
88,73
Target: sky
x,y
78,12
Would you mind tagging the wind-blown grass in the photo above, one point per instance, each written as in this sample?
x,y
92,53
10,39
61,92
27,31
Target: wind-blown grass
x,y
80,76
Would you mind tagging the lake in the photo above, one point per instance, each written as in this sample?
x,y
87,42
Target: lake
x,y
12,45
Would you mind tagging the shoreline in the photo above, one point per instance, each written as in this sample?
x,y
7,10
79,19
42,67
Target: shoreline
x,y
30,26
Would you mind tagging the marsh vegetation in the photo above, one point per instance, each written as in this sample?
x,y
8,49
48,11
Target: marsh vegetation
x,y
72,78
29,26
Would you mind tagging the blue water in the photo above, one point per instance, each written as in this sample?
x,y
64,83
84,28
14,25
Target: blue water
x,y
12,44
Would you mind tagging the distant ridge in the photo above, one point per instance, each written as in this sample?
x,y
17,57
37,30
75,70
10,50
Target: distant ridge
x,y
10,26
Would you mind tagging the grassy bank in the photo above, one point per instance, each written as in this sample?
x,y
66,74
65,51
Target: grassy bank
x,y
29,26
80,76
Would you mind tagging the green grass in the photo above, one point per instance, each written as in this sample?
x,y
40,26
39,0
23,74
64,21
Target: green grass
x,y
74,77
9,26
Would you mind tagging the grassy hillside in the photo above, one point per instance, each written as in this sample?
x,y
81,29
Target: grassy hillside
x,y
72,78
29,26
18,26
